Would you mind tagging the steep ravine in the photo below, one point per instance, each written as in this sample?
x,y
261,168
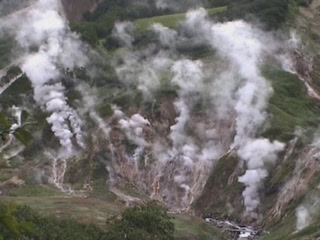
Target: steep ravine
x,y
230,135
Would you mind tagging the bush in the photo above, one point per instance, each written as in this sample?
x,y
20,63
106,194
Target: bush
x,y
149,222
52,228
10,226
87,32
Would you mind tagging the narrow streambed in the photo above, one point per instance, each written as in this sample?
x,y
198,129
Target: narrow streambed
x,y
235,230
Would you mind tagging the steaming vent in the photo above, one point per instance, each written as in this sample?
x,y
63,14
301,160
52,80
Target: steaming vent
x,y
218,106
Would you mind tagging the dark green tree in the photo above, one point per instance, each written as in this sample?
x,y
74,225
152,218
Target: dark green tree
x,y
150,222
10,226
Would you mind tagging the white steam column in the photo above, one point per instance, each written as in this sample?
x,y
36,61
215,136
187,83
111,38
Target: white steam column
x,y
49,46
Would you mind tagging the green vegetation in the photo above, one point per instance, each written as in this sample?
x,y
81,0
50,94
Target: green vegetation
x,y
6,46
10,226
191,228
272,13
57,217
170,21
31,190
51,228
283,229
222,193
149,222
290,107
63,206
18,92
20,132
137,223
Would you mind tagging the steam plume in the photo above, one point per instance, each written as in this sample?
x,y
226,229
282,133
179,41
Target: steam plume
x,y
303,217
236,97
47,49
57,48
243,47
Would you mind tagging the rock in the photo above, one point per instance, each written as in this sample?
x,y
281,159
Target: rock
x,y
74,9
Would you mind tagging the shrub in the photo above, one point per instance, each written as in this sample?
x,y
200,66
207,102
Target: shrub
x,y
149,222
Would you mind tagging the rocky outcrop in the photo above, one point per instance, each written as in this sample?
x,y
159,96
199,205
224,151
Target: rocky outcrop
x,y
75,9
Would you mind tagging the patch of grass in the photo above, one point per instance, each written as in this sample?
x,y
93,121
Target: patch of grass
x,y
286,227
105,110
5,176
282,230
289,106
87,210
310,232
170,21
284,172
127,99
35,191
193,228
100,190
220,198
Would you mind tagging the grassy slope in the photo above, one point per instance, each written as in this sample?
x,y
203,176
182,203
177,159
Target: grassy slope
x,y
96,209
170,21
306,22
219,197
193,228
84,210
290,107
92,210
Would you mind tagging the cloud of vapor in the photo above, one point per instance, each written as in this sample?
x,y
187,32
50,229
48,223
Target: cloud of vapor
x,y
285,58
55,48
188,77
243,46
144,70
46,48
232,91
303,217
90,101
9,6
133,128
123,32
167,37
193,161
178,5
257,154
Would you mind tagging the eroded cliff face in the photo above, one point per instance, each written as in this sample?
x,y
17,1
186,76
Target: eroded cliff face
x,y
75,9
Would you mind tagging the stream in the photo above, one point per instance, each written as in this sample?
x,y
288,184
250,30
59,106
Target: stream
x,y
235,230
